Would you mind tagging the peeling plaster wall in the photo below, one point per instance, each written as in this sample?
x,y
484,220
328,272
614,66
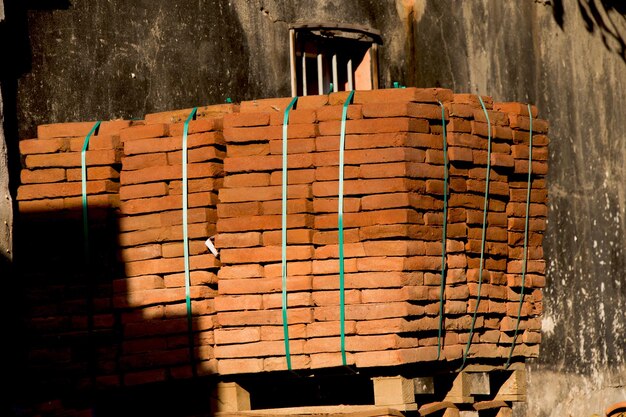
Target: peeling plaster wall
x,y
6,202
580,88
105,59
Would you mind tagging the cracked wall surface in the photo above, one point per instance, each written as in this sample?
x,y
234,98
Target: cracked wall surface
x,y
106,59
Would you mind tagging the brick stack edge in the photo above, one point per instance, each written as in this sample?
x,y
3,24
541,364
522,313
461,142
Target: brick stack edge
x,y
151,295
393,229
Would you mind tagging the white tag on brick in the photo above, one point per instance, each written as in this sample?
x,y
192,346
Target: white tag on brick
x,y
211,247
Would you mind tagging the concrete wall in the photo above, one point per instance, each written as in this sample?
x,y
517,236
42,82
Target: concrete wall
x,y
569,60
104,59
6,209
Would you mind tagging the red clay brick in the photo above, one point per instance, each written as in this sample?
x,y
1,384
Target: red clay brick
x,y
155,189
248,149
131,163
140,253
264,254
375,156
296,331
42,176
522,137
271,105
252,208
196,126
391,95
169,265
165,234
372,126
196,186
523,122
267,163
538,168
238,240
61,130
294,237
73,159
38,146
517,108
176,249
128,285
239,366
295,146
263,285
426,111
172,172
204,112
239,302
264,317
247,180
456,154
156,130
237,335
201,154
93,201
327,113
67,189
196,278
380,217
329,205
155,145
246,119
296,116
235,195
258,349
100,142
264,133
93,173
299,176
369,311
370,186
158,204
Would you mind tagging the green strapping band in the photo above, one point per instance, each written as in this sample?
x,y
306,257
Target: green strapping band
x,y
186,235
284,234
342,295
484,233
521,297
445,229
83,179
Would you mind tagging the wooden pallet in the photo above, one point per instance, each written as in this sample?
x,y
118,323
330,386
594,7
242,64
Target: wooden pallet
x,y
321,411
476,391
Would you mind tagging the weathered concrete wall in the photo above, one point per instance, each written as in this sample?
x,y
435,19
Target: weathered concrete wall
x,y
6,202
6,205
554,54
579,85
116,58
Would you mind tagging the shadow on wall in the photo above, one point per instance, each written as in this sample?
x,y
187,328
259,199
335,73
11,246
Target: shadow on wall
x,y
608,17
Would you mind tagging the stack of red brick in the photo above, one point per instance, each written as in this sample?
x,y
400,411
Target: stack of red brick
x,y
393,230
69,317
394,188
51,178
151,297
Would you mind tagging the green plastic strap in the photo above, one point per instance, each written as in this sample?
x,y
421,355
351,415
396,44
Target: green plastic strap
x,y
445,229
521,296
342,295
186,233
484,233
83,179
284,234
